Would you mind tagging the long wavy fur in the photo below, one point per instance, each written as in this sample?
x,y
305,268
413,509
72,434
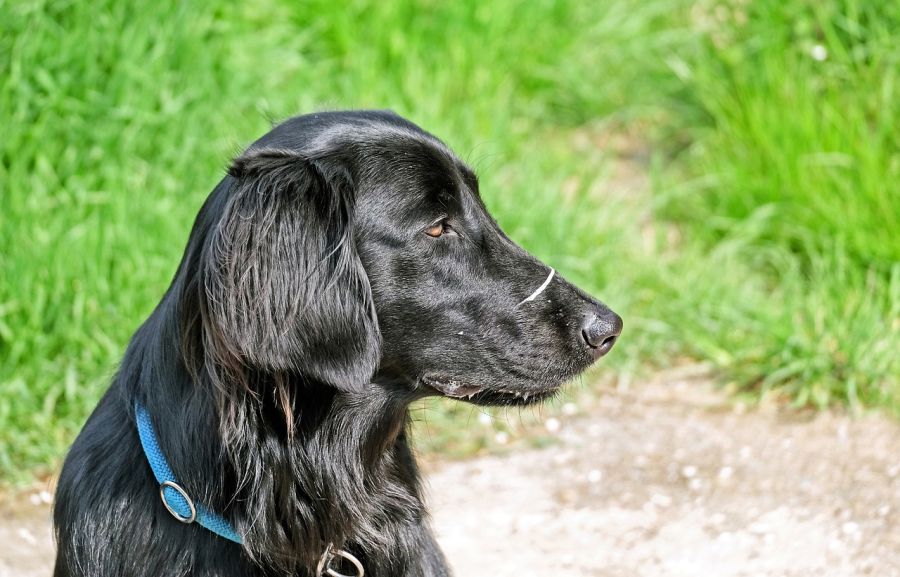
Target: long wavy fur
x,y
254,367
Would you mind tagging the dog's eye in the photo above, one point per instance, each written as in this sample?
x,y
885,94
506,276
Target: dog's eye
x,y
439,228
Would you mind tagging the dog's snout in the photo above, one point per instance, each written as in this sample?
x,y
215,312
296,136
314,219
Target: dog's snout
x,y
600,331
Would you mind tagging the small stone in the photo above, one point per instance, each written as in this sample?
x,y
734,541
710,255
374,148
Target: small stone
x,y
567,496
661,500
485,419
502,437
689,471
552,424
594,476
884,510
569,409
725,473
850,528
562,457
27,536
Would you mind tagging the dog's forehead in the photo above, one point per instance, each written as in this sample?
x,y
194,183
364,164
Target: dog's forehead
x,y
367,136
419,177
402,158
411,168
355,131
395,151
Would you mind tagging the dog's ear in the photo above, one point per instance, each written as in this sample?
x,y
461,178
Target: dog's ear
x,y
285,291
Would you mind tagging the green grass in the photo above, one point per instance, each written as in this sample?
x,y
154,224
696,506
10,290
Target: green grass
x,y
768,247
797,175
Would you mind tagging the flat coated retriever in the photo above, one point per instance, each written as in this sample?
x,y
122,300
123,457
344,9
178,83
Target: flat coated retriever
x,y
342,269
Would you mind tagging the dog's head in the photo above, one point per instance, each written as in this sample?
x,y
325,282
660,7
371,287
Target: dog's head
x,y
350,248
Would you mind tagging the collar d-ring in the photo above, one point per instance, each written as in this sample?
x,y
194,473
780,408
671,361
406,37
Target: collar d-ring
x,y
190,502
324,567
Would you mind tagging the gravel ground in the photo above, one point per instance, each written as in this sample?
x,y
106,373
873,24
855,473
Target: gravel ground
x,y
676,481
665,480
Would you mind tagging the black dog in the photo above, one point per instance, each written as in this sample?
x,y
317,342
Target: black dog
x,y
344,268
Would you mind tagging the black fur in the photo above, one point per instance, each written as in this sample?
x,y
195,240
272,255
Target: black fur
x,y
309,310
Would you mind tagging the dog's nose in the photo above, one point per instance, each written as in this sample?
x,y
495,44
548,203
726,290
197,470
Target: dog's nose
x,y
600,331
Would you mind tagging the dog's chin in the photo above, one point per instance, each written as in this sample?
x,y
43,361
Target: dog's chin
x,y
479,395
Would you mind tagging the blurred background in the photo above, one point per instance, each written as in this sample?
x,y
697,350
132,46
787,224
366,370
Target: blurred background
x,y
723,173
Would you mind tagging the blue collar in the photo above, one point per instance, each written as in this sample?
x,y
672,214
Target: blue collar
x,y
173,496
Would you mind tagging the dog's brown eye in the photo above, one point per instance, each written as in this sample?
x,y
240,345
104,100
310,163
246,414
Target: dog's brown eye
x,y
438,229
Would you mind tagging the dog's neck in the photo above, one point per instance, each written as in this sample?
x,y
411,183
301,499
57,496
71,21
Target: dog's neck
x,y
343,474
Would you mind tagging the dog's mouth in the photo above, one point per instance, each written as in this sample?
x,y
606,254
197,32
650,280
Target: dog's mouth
x,y
456,389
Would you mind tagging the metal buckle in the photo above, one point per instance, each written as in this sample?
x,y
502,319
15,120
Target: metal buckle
x,y
329,555
183,493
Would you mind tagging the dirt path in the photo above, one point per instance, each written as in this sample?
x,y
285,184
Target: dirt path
x,y
671,481
668,480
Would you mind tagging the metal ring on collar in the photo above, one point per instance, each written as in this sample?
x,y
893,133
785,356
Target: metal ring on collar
x,y
183,493
329,555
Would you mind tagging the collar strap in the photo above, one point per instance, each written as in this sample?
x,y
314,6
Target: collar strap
x,y
174,497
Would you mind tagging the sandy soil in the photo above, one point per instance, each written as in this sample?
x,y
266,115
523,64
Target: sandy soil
x,y
667,480
674,481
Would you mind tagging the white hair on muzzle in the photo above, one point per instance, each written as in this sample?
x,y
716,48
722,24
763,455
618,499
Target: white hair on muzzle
x,y
540,289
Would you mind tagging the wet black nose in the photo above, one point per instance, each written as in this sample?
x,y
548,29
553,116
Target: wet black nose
x,y
600,331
